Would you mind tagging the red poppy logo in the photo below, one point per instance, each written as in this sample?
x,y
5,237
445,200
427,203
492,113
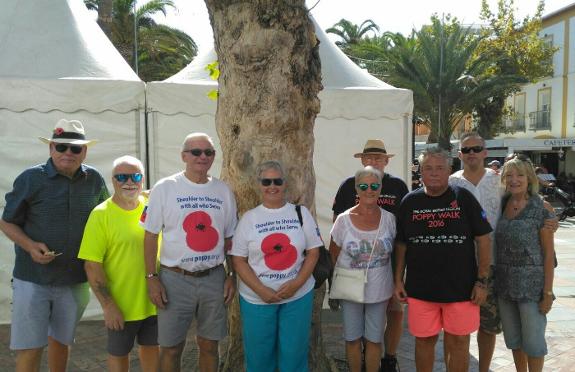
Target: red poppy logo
x,y
201,236
279,253
144,214
58,131
454,204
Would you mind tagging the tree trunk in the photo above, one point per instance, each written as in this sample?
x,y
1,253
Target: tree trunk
x,y
269,81
105,16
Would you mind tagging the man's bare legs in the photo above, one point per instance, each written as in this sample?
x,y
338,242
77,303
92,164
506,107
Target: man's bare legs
x,y
57,355
209,357
28,360
486,345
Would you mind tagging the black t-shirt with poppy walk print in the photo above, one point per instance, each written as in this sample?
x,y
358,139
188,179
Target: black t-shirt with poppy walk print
x,y
393,189
439,233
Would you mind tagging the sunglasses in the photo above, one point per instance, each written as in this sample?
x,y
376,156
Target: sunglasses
x,y
475,149
365,186
268,181
198,152
123,177
60,147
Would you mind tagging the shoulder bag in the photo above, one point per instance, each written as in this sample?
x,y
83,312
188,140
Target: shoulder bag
x,y
323,267
349,284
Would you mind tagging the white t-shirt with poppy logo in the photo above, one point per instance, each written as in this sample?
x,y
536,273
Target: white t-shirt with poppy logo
x,y
274,243
194,220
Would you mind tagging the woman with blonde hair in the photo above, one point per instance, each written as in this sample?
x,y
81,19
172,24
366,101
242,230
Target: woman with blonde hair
x,y
524,265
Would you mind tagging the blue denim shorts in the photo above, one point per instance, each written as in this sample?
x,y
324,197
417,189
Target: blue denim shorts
x,y
523,327
39,311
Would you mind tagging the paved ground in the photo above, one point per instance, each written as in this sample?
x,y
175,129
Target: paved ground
x,y
89,352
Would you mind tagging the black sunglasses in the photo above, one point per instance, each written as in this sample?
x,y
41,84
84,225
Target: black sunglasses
x,y
60,147
475,149
268,181
123,177
198,152
365,186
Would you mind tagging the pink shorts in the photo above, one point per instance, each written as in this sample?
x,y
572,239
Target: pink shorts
x,y
426,319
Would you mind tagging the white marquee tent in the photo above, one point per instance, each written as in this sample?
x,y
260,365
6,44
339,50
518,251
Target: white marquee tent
x,y
355,106
55,63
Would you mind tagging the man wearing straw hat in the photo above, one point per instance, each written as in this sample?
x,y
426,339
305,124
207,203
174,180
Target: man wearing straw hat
x,y
44,216
393,190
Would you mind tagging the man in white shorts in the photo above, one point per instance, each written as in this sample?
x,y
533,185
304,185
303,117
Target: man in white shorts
x,y
197,215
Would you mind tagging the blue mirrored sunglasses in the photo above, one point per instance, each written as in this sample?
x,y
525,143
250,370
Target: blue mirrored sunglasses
x,y
123,177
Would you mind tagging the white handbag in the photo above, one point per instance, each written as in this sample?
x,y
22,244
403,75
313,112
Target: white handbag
x,y
349,284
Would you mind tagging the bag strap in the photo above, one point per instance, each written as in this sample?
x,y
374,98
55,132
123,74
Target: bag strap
x,y
299,216
373,247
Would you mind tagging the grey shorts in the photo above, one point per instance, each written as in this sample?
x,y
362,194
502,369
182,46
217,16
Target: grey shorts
x,y
364,320
189,298
120,343
39,311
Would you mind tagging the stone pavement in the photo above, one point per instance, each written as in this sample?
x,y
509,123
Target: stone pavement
x,y
89,352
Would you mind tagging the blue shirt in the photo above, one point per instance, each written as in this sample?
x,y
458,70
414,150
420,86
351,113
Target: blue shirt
x,y
53,209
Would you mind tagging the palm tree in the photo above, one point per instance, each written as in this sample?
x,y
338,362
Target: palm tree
x,y
351,33
439,64
162,50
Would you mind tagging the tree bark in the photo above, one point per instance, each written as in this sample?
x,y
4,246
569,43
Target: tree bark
x,y
270,76
105,20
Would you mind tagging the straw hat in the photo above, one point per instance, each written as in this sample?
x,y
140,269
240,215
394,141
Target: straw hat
x,y
374,146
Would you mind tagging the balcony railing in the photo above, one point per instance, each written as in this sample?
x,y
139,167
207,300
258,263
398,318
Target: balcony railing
x,y
515,125
540,120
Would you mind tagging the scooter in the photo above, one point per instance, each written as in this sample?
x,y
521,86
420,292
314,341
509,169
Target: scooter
x,y
568,209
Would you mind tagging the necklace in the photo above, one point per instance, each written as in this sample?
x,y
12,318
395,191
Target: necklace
x,y
517,204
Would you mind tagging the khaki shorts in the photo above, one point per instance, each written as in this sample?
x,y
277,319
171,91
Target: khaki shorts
x,y
490,321
189,298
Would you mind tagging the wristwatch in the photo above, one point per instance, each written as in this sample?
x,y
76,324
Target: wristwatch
x,y
548,293
151,275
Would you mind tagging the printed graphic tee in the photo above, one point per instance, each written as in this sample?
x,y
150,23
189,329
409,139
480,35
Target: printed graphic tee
x,y
439,233
274,243
393,190
194,220
356,246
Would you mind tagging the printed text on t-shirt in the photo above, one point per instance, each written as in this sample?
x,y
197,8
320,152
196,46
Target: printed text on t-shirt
x,y
199,202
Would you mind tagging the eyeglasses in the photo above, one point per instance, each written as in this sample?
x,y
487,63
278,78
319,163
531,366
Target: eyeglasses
x,y
475,149
123,177
198,152
268,181
60,147
365,186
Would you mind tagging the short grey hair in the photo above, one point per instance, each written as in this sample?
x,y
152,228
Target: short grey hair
x,y
467,135
197,135
269,164
130,160
434,151
368,171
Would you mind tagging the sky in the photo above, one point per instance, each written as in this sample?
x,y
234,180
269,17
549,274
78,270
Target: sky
x,y
397,16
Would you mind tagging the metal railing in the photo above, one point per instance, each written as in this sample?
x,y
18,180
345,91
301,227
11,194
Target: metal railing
x,y
540,120
515,125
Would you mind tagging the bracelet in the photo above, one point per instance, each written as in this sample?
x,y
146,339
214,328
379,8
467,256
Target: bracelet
x,y
151,275
482,280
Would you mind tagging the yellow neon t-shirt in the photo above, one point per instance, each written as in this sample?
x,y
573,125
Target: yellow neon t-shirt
x,y
113,237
